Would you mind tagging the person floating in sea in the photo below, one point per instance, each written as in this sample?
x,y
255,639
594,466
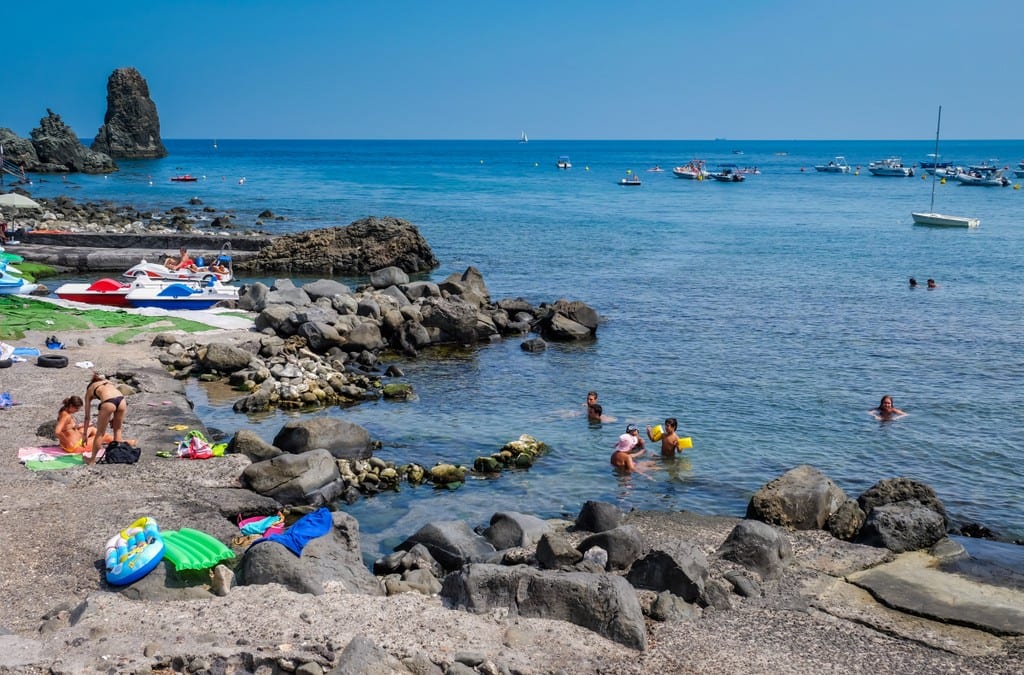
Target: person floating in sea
x,y
74,437
595,413
669,438
886,410
932,285
913,282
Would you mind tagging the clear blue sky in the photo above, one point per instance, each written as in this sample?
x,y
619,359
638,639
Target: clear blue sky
x,y
482,69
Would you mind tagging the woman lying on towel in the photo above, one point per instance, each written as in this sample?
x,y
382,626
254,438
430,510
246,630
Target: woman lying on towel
x,y
74,437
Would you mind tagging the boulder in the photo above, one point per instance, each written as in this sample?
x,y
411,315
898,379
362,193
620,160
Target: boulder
x,y
333,557
902,526
510,529
341,438
846,521
802,498
598,517
222,357
248,443
60,151
758,547
533,345
680,568
624,545
253,297
453,317
556,552
362,656
276,318
364,337
320,335
893,490
325,288
415,290
567,320
293,479
603,603
131,126
452,543
388,276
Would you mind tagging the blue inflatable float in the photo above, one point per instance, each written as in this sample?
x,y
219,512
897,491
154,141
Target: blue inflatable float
x,y
133,552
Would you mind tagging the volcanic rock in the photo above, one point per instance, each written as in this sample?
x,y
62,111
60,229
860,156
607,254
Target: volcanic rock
x,y
131,127
60,151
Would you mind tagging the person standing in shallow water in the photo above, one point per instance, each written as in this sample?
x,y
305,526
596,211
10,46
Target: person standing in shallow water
x,y
886,410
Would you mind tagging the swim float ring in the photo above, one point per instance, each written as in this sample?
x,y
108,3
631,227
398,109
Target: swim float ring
x,y
133,552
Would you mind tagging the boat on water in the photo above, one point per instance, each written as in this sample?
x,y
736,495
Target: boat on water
x,y
1019,171
178,295
220,270
632,180
837,165
523,138
728,173
934,162
941,219
12,283
184,178
655,169
563,162
983,175
892,166
693,171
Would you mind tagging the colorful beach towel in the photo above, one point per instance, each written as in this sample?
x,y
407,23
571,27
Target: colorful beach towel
x,y
49,458
304,530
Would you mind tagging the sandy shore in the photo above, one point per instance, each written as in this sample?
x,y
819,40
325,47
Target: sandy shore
x,y
59,616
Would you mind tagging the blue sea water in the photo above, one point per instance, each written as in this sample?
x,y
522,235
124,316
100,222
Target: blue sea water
x,y
767,316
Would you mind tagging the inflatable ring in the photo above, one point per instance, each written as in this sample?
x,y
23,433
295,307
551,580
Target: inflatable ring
x,y
133,552
6,363
52,361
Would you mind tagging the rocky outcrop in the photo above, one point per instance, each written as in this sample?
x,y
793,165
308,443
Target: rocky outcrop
x,y
364,246
131,127
18,151
803,498
60,151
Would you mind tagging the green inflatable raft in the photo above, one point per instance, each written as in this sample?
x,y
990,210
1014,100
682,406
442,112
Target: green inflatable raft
x,y
189,549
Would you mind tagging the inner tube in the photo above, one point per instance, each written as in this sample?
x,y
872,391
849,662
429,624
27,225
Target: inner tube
x,y
6,363
52,361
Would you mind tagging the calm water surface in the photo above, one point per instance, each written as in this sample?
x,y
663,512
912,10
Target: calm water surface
x,y
767,316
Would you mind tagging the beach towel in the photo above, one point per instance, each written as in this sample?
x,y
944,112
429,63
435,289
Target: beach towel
x,y
49,458
304,530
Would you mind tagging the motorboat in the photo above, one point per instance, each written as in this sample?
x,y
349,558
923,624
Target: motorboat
x,y
178,295
1019,171
893,166
749,171
933,162
941,219
563,162
728,173
103,292
984,175
184,178
655,169
693,171
632,179
837,165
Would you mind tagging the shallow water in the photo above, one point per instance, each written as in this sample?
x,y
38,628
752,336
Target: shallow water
x,y
767,316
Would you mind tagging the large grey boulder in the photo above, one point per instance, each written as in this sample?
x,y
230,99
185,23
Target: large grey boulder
x,y
758,547
222,357
320,335
452,543
624,544
131,126
388,276
276,317
253,297
598,517
296,297
803,498
326,288
453,318
510,529
247,442
893,490
567,320
902,526
334,557
603,603
366,336
343,439
556,552
362,656
415,290
681,568
293,479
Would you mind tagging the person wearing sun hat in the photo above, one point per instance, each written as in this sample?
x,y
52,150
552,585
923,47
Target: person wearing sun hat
x,y
626,449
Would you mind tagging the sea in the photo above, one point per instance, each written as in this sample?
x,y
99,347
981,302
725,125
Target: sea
x,y
769,317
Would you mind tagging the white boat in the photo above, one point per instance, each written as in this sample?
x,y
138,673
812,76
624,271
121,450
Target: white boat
x,y
693,171
728,173
523,138
219,269
632,179
1019,171
892,166
941,219
180,295
837,165
984,175
563,162
12,283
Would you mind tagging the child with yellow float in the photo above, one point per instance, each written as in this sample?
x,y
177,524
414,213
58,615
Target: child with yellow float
x,y
671,443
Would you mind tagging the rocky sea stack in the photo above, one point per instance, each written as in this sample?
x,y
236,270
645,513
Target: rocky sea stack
x,y
54,148
131,127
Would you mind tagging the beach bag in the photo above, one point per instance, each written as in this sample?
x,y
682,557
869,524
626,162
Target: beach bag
x,y
195,446
120,453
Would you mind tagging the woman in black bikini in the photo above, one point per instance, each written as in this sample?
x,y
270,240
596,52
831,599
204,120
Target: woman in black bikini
x,y
111,410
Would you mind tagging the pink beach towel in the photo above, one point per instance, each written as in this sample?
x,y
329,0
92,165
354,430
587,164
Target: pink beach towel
x,y
49,458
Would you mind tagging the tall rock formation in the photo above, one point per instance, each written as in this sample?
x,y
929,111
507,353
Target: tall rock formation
x,y
131,127
60,151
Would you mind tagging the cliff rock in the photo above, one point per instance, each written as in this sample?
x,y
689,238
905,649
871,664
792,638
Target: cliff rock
x,y
60,151
131,127
355,250
18,150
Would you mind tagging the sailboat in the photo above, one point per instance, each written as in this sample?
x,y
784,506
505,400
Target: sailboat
x,y
523,138
942,220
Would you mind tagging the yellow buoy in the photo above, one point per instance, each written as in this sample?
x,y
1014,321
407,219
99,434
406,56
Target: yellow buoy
x,y
1016,186
943,181
856,173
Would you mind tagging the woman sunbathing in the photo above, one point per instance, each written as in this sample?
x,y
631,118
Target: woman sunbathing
x,y
75,437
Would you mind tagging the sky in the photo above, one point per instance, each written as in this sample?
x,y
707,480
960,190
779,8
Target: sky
x,y
558,69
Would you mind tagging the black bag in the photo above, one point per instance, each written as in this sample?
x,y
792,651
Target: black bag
x,y
120,453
